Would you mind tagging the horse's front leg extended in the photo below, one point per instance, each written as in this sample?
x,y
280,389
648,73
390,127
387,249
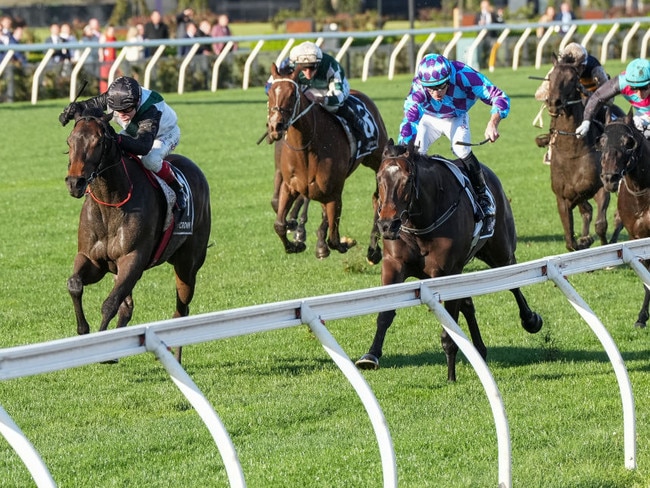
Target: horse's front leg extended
x,y
374,249
335,241
370,360
85,272
602,198
285,201
129,271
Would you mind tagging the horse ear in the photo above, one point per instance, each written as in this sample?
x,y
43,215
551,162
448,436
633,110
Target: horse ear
x,y
390,142
107,117
554,59
274,70
608,116
629,117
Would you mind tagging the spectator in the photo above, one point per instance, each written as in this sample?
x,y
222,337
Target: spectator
x,y
67,35
221,29
155,29
91,34
485,17
135,35
547,16
7,37
182,20
566,16
60,55
191,32
109,53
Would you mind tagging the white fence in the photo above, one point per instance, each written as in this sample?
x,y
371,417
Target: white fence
x,y
630,29
158,337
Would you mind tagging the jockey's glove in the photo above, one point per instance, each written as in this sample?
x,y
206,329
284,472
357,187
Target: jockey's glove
x,y
69,112
583,129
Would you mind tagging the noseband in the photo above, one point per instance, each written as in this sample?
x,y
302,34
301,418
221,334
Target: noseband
x,y
631,153
414,195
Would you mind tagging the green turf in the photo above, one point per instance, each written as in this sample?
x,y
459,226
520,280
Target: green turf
x,y
293,418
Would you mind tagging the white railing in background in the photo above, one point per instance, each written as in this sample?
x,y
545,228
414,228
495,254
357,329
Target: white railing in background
x,y
477,34
158,337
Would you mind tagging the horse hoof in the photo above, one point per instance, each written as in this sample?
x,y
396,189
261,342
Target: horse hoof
x,y
639,325
295,248
534,323
110,361
322,252
368,362
374,255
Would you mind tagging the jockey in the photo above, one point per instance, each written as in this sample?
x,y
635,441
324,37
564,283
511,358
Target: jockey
x,y
149,126
325,83
441,95
592,74
634,85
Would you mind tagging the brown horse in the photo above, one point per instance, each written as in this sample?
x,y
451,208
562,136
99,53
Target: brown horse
x,y
625,164
575,163
315,160
426,218
122,222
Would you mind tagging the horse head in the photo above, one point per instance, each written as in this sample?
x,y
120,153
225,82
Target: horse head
x,y
397,187
564,88
283,102
91,141
619,146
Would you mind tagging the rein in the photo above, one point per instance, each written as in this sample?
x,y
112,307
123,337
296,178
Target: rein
x,y
414,195
633,153
95,174
294,118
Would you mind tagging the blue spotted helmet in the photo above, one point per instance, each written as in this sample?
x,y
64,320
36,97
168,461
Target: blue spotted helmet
x,y
637,73
433,70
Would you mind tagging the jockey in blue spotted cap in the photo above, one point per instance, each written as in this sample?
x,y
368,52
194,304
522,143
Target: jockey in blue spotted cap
x,y
441,95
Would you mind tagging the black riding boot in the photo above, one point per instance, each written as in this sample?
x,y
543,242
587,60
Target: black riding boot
x,y
357,126
485,198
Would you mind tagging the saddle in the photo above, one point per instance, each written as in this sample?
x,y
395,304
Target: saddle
x,y
370,141
178,224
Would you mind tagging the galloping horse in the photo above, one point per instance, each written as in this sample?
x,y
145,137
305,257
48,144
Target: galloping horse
x,y
625,164
315,160
123,220
575,163
426,217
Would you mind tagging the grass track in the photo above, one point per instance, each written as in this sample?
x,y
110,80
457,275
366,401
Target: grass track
x,y
293,419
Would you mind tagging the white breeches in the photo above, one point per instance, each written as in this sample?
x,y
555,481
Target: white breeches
x,y
456,129
162,146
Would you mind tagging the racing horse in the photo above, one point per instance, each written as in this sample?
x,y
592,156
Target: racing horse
x,y
575,163
315,160
122,221
427,221
625,160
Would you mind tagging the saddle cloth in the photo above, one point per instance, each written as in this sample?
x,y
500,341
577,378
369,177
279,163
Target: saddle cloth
x,y
358,149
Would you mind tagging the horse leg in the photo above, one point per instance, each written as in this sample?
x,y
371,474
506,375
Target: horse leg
x,y
618,228
531,321
286,199
370,360
129,271
448,344
322,251
566,216
374,249
298,218
643,313
85,272
602,198
586,212
334,240
125,312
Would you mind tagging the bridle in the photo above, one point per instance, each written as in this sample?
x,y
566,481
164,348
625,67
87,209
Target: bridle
x,y
632,153
413,195
107,142
566,104
295,112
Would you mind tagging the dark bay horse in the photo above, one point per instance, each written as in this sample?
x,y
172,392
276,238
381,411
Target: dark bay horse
x,y
575,163
315,160
625,164
426,219
122,221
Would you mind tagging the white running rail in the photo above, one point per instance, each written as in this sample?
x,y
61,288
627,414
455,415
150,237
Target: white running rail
x,y
157,337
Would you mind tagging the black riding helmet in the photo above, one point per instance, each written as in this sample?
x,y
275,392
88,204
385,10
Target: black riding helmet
x,y
123,94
